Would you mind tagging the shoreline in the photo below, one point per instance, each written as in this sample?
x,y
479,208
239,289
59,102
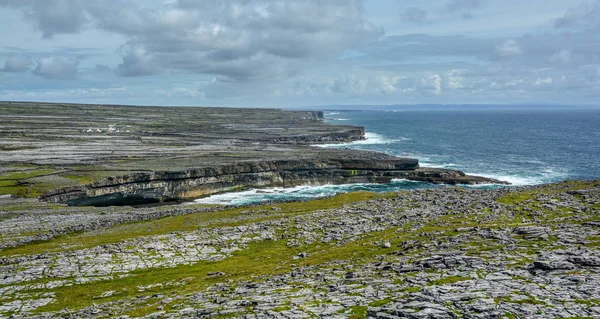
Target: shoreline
x,y
118,155
467,245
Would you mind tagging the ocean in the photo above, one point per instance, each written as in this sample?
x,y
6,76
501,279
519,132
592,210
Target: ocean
x,y
521,145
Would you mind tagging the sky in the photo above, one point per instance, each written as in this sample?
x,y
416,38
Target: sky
x,y
293,53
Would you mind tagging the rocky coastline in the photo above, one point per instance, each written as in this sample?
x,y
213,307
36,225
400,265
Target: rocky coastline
x,y
514,252
158,187
523,252
103,155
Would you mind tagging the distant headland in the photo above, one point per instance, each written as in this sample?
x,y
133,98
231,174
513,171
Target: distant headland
x,y
104,155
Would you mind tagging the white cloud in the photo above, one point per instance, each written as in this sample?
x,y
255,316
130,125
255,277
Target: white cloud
x,y
366,84
510,47
52,16
16,64
137,62
543,81
56,68
236,38
455,80
277,53
432,84
587,15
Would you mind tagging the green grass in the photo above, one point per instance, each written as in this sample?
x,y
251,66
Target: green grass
x,y
380,303
258,259
19,182
412,289
7,183
25,174
516,198
263,258
358,312
588,302
181,223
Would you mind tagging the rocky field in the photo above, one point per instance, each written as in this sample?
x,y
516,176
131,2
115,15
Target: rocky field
x,y
106,155
515,252
527,252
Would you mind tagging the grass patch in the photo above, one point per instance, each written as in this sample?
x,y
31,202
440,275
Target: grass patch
x,y
358,312
516,198
412,289
180,223
380,303
25,174
260,258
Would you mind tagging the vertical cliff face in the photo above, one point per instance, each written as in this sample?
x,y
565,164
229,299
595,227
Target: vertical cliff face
x,y
193,183
130,155
180,185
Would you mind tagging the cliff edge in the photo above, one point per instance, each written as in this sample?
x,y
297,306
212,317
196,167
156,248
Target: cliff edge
x,y
122,155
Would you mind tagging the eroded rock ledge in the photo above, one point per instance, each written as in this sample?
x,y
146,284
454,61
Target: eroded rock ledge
x,y
152,187
122,155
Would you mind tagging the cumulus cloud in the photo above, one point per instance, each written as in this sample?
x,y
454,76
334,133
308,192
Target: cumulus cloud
x,y
415,16
375,84
52,16
432,84
238,39
256,49
543,81
455,80
16,64
56,68
510,47
137,62
234,38
587,15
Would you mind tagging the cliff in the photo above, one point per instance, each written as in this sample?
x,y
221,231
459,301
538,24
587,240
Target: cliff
x,y
121,155
155,187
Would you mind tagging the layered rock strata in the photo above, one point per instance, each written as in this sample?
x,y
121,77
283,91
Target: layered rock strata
x,y
105,155
140,188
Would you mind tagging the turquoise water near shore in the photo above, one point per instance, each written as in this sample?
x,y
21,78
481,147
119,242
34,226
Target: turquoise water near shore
x,y
521,145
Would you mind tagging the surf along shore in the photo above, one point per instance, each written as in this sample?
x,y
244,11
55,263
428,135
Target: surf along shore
x,y
103,155
430,253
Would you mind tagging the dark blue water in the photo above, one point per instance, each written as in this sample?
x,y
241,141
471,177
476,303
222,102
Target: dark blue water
x,y
518,145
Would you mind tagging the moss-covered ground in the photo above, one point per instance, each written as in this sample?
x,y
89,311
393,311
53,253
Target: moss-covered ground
x,y
272,257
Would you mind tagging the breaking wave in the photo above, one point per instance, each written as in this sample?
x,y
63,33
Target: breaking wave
x,y
370,139
307,192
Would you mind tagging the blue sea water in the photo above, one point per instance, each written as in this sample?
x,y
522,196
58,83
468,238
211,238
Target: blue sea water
x,y
520,145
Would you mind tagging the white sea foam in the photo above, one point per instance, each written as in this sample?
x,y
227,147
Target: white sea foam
x,y
332,113
306,192
512,179
370,139
423,163
548,175
275,193
402,180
